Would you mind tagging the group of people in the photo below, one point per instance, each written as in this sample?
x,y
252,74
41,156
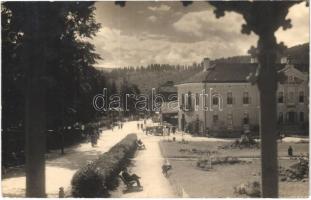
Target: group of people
x,y
120,125
169,129
140,126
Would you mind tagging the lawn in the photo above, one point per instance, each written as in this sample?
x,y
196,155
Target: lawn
x,y
220,181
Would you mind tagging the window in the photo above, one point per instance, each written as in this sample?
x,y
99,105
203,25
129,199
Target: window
x,y
230,120
215,101
302,116
291,97
280,118
189,100
281,97
182,99
229,98
301,97
245,98
215,118
197,99
291,79
246,118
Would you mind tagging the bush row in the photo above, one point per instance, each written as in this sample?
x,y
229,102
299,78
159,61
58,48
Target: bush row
x,y
97,178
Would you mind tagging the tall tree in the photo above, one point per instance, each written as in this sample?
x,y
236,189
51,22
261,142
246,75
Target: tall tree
x,y
264,19
49,47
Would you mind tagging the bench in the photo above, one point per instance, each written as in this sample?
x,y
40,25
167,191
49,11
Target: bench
x,y
130,185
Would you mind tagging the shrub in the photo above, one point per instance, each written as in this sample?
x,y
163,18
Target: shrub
x,y
97,178
208,163
251,189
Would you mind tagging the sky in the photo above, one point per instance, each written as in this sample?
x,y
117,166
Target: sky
x,y
143,33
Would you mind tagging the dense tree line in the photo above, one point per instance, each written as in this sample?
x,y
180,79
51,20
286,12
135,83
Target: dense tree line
x,y
157,68
153,75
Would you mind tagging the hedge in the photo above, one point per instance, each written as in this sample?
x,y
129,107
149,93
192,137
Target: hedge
x,y
97,178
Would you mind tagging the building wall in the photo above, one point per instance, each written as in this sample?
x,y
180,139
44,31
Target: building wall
x,y
294,104
237,110
220,90
197,112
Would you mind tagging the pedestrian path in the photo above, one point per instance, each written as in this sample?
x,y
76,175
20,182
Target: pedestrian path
x,y
60,170
147,165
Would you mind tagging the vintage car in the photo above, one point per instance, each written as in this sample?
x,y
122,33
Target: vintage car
x,y
155,130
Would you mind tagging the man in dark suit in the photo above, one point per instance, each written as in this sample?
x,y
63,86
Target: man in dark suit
x,y
128,177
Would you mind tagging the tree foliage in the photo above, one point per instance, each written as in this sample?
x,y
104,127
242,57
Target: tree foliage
x,y
68,55
54,36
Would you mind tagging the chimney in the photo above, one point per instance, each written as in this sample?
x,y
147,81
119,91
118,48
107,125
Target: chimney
x,y
206,64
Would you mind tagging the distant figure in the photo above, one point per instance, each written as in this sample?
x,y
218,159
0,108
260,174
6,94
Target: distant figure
x,y
15,159
121,125
137,125
142,126
145,121
61,193
97,135
166,167
140,144
93,139
290,151
173,129
128,177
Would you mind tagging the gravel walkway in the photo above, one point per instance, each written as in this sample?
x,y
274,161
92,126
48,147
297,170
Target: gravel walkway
x,y
147,165
60,170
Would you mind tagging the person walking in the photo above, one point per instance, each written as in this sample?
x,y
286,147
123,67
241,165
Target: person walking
x,y
61,193
174,129
290,151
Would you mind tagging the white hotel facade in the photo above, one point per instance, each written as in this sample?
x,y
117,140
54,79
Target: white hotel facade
x,y
233,102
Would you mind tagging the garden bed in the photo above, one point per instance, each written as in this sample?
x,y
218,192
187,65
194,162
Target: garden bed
x,y
223,179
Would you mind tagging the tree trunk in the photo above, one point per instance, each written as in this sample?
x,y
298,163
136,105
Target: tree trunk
x,y
35,140
267,85
35,115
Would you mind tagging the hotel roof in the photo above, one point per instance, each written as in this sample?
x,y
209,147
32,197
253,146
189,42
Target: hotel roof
x,y
227,73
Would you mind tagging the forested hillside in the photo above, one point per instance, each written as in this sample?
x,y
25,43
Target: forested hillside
x,y
154,75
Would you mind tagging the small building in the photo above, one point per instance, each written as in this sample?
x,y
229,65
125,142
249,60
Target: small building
x,y
168,112
224,100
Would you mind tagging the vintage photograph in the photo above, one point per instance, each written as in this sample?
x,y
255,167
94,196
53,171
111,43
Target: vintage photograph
x,y
155,99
